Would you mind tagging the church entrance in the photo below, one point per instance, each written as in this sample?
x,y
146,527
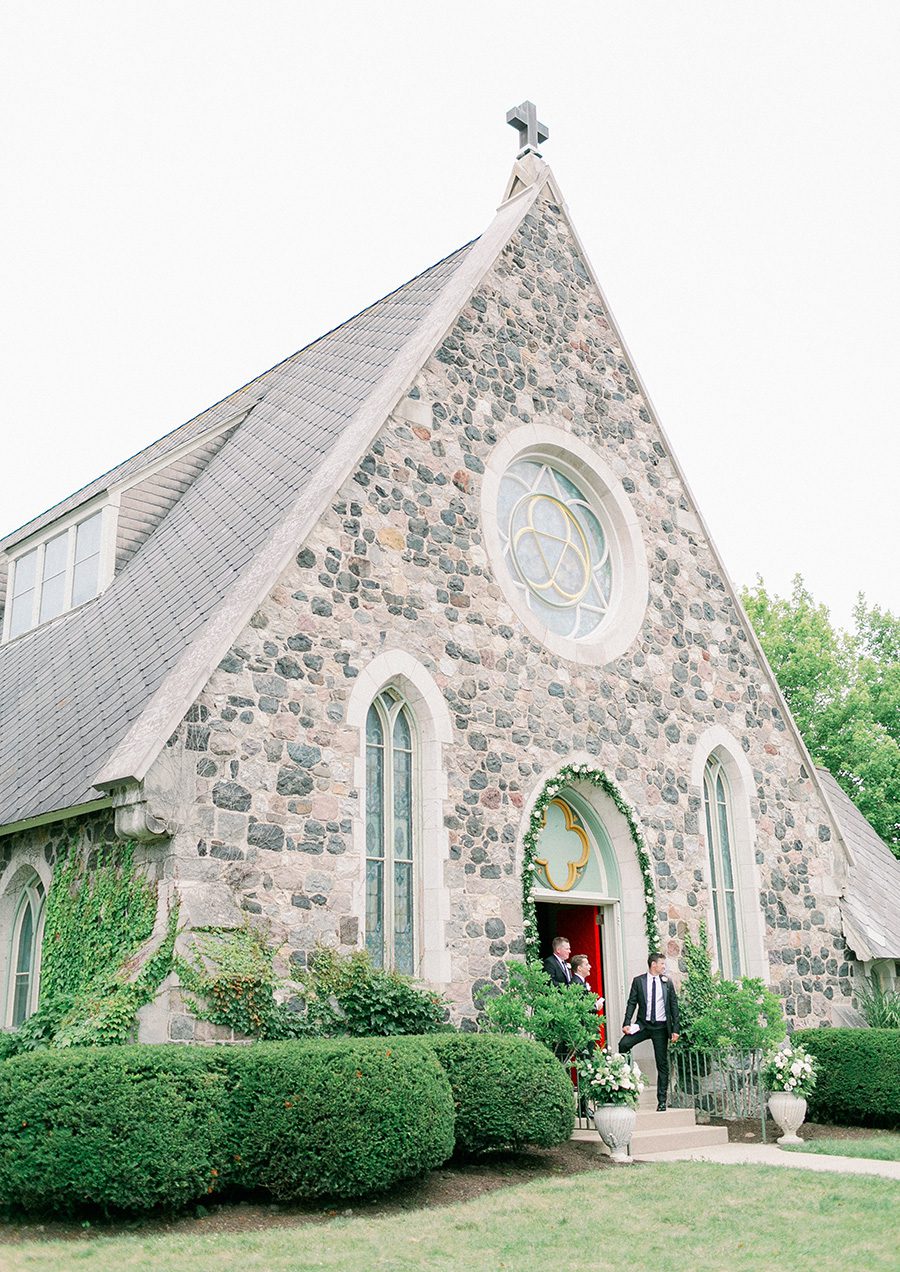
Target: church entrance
x,y
583,925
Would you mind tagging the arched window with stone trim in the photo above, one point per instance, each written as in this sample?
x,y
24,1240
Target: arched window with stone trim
x,y
25,954
391,922
723,887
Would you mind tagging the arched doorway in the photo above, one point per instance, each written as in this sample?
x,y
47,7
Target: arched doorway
x,y
578,893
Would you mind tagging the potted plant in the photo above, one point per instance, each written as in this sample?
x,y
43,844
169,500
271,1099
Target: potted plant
x,y
612,1087
790,1075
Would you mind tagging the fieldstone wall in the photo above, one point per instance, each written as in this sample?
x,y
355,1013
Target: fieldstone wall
x,y
399,562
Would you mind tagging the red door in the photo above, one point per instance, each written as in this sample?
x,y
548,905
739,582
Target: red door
x,y
579,924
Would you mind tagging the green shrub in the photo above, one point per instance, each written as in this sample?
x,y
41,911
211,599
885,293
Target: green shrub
x,y
859,1075
134,1129
717,1014
879,1006
508,1092
562,1017
341,1117
347,995
124,1128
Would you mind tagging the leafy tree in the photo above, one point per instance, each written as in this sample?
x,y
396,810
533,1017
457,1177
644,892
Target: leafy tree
x,y
843,689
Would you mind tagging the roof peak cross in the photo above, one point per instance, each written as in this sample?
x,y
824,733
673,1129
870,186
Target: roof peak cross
x,y
531,132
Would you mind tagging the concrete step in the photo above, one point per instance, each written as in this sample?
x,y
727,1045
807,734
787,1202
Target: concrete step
x,y
662,1135
666,1139
649,1120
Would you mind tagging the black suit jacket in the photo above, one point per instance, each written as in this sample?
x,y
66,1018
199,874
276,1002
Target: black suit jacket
x,y
554,970
637,998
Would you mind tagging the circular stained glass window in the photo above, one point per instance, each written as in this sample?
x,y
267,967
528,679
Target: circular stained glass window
x,y
555,548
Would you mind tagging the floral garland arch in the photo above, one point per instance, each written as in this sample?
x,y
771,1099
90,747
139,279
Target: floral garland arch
x,y
596,777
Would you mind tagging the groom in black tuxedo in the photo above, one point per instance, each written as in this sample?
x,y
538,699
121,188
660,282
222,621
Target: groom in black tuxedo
x,y
653,995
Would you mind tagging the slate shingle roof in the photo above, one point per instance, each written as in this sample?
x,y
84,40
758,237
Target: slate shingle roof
x,y
871,907
71,689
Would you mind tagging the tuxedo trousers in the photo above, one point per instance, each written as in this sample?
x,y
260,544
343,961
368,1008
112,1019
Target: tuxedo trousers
x,y
659,1036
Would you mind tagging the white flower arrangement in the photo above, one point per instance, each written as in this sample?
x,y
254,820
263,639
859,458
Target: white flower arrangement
x,y
608,1078
792,1069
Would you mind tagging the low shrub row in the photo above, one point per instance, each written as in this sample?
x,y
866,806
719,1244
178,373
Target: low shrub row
x,y
859,1075
508,1092
133,1129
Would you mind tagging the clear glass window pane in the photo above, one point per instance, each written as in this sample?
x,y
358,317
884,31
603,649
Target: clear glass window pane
x,y
375,911
53,594
55,553
26,573
20,617
85,582
403,917
87,537
725,842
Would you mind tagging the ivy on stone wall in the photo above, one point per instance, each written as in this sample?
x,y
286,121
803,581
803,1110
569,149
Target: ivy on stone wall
x,y
101,910
568,775
230,980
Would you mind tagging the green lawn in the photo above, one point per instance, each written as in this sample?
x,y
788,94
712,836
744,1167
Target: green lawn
x,y
704,1218
880,1148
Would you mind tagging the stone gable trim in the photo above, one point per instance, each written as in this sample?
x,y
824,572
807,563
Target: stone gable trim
x,y
135,753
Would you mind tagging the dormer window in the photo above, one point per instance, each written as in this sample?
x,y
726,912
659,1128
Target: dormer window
x,y
56,575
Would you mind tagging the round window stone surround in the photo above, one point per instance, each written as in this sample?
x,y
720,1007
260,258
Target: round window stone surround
x,y
629,576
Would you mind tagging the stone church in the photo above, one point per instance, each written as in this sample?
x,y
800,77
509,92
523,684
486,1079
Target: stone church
x,y
322,651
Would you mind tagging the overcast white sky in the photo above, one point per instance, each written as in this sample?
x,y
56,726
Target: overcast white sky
x,y
194,190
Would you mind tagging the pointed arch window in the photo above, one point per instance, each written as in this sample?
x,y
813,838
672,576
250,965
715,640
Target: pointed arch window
x,y
722,875
25,952
391,818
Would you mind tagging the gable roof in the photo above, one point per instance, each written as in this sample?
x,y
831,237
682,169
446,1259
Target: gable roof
x,y
71,689
95,694
870,908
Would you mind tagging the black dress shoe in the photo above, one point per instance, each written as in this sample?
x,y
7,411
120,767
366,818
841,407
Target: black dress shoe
x,y
660,1108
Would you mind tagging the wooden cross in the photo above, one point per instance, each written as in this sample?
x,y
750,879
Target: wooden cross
x,y
531,133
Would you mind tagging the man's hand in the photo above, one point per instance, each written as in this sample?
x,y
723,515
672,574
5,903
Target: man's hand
x,y
674,1037
624,1029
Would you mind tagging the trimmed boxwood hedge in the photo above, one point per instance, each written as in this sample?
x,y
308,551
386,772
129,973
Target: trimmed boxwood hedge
x,y
143,1128
133,1129
509,1092
339,1117
859,1075
119,1128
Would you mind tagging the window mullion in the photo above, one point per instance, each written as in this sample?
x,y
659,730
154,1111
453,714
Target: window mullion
x,y
70,568
38,585
389,840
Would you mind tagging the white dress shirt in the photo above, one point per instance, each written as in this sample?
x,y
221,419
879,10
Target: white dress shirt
x,y
660,999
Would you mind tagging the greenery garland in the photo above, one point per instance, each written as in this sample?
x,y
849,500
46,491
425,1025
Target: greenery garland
x,y
568,774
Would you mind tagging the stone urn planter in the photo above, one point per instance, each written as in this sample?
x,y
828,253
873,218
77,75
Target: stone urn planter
x,y
788,1110
615,1126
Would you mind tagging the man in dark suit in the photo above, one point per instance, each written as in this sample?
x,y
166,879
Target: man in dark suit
x,y
653,995
556,965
